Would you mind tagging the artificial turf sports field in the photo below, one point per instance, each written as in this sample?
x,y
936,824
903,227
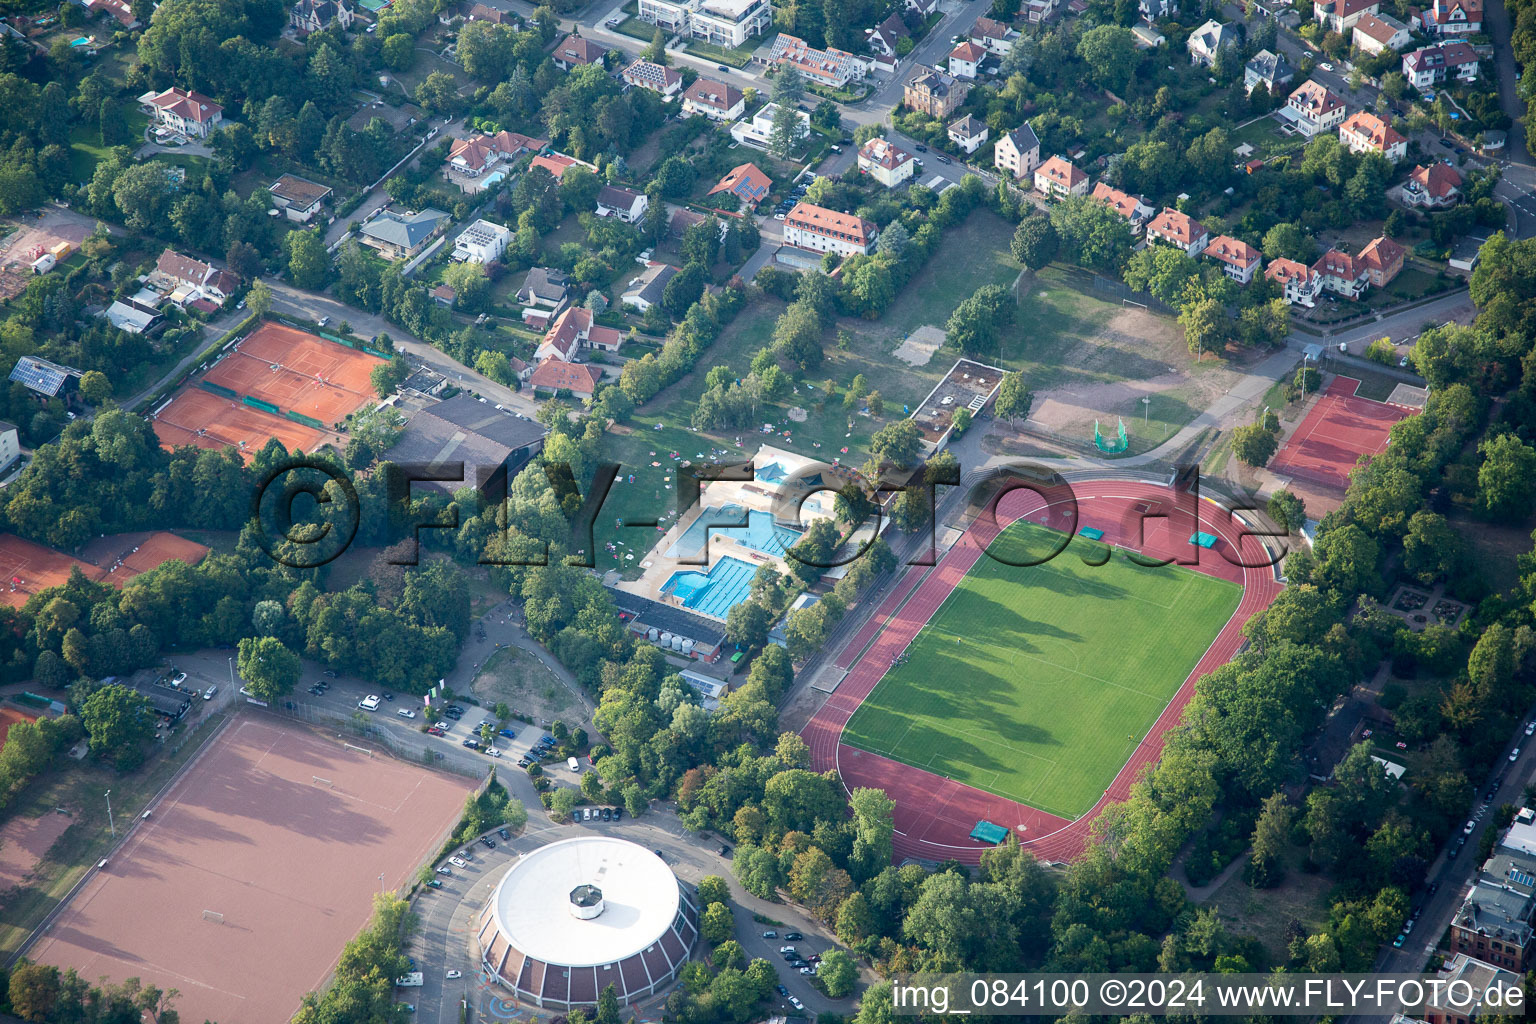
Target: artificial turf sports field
x,y
1037,683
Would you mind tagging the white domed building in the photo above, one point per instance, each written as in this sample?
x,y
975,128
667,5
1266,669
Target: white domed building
x,y
571,918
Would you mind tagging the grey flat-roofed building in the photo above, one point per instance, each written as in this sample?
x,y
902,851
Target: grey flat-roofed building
x,y
490,441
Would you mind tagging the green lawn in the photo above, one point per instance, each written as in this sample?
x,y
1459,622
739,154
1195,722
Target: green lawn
x,y
736,57
86,150
1037,683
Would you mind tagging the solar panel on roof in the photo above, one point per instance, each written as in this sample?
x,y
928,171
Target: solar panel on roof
x,y
39,376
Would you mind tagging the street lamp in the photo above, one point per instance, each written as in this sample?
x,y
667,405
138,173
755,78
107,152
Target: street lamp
x,y
110,823
1146,410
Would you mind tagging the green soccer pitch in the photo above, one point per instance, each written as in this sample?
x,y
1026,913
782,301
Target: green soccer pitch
x,y
1037,683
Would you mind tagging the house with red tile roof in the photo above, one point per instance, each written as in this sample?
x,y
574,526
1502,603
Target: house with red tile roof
x,y
1133,209
1057,178
715,100
1178,229
1452,17
554,376
1313,108
473,155
1298,282
190,113
1341,15
1364,132
557,163
746,182
572,331
808,226
1341,273
1433,65
886,162
576,51
965,59
642,74
1376,33
1238,259
1434,186
1382,260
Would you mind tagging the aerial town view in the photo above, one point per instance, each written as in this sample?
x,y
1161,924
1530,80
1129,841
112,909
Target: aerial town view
x,y
608,511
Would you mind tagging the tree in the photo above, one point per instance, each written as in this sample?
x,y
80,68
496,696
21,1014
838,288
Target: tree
x,y
1206,326
259,299
398,51
977,323
119,722
656,50
897,443
1506,481
1034,242
269,668
95,388
1287,510
309,265
1013,397
1110,53
561,803
34,990
439,93
784,130
716,925
683,290
1431,548
838,973
1271,835
788,87
747,624
1253,444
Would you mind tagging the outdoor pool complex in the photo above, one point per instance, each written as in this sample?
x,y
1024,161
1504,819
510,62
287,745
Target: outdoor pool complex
x,y
761,534
714,593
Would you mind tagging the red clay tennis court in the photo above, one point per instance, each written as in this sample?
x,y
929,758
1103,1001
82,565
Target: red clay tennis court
x,y
201,418
251,875
27,568
298,372
1340,428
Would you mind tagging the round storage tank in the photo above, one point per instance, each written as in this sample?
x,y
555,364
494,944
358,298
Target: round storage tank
x,y
687,646
651,634
677,643
666,639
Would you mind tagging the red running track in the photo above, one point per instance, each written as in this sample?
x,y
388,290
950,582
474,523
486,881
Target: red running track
x,y
1339,429
934,816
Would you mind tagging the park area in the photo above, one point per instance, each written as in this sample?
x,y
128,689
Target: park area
x,y
252,872
1038,683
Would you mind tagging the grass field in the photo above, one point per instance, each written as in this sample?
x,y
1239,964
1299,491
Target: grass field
x,y
1037,683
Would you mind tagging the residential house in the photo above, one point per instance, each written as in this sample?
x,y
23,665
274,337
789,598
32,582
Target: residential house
x,y
119,10
822,230
1133,209
758,131
1018,152
1272,69
965,60
642,74
625,204
186,280
883,37
1148,38
187,113
576,51
545,288
1209,40
443,295
577,379
1340,15
1157,10
830,67
482,242
299,198
473,155
572,331
556,164
968,133
1057,179
1432,65
1178,229
132,317
886,162
1382,260
993,36
646,290
1459,993
1364,132
1375,33
1238,259
715,100
10,446
1313,108
1299,283
45,377
933,92
671,15
318,15
402,235
480,12
1038,12
1452,17
1341,273
1434,186
746,182
922,8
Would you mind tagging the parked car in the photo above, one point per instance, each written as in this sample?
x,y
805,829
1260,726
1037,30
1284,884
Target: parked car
x,y
454,974
770,935
433,883
508,733
506,837
781,990
722,67
405,712
472,744
1514,755
208,693
436,730
797,1004
793,936
369,703
444,871
492,752
618,812
786,949
490,844
1325,65
458,862
329,672
1398,942
920,148
1530,728
1468,827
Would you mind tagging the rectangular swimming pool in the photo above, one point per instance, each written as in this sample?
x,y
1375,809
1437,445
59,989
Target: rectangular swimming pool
x,y
760,534
714,593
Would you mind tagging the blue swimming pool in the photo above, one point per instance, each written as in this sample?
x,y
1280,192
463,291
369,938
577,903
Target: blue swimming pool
x,y
761,534
716,592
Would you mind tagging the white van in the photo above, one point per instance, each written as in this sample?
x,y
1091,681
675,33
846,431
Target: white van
x,y
570,763
369,703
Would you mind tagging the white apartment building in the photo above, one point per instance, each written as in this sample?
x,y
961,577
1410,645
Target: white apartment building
x,y
481,242
727,23
822,230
